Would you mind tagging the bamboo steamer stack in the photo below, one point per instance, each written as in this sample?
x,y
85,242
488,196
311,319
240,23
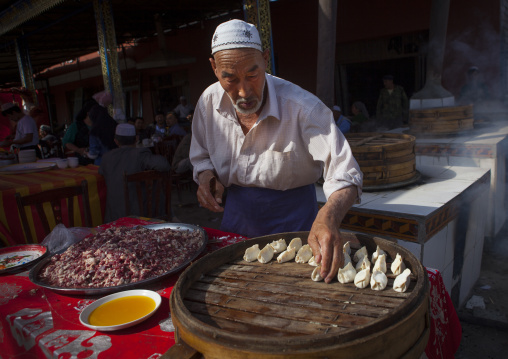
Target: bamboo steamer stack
x,y
384,158
441,120
225,307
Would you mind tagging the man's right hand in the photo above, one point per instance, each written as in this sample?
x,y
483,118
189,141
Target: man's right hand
x,y
210,191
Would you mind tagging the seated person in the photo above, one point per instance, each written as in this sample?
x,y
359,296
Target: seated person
x,y
360,120
102,133
183,110
76,138
172,126
48,142
181,161
126,159
342,122
27,136
141,132
160,125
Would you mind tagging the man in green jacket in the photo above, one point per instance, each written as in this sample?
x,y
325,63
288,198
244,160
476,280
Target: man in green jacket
x,y
392,105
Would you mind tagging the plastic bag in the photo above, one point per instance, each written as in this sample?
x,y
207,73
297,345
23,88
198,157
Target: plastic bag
x,y
62,237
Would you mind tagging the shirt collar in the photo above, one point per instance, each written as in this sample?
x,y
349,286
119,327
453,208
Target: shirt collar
x,y
270,109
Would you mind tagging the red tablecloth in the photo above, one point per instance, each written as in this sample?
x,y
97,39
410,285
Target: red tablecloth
x,y
36,322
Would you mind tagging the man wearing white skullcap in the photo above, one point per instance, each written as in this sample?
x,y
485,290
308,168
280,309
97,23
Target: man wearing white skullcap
x,y
127,158
268,141
27,134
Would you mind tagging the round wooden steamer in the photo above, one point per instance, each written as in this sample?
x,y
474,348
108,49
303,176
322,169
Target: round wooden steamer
x,y
384,158
224,307
441,120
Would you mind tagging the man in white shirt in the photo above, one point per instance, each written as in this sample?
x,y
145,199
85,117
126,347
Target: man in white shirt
x,y
183,109
268,141
27,134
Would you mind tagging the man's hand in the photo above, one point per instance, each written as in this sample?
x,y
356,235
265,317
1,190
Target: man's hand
x,y
210,191
324,237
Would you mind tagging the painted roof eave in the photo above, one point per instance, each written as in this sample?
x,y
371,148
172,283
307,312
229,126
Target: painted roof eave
x,y
22,11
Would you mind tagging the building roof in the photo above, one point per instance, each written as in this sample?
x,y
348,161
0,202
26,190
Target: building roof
x,y
57,31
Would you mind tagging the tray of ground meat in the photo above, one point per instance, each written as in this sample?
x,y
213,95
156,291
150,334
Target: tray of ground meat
x,y
121,258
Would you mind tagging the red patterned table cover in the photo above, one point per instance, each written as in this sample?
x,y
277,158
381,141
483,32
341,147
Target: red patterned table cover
x,y
38,323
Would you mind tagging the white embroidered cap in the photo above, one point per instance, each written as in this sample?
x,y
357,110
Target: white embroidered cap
x,y
235,34
125,129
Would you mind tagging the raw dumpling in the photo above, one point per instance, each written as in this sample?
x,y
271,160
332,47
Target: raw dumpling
x,y
279,246
362,278
346,274
266,254
362,252
316,274
376,254
347,248
312,262
251,253
398,265
304,254
380,264
364,263
347,259
401,282
287,255
295,243
378,280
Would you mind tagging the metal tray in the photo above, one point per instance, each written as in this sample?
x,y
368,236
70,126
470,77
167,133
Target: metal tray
x,y
34,272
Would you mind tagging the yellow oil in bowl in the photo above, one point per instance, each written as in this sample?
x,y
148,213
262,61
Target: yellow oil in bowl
x,y
121,310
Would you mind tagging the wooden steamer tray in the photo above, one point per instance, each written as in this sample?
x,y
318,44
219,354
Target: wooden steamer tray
x,y
441,120
224,307
384,158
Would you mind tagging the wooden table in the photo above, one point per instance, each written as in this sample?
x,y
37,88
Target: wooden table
x,y
38,323
11,229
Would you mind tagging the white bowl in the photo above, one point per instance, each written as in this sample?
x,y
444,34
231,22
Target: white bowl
x,y
85,314
62,163
73,162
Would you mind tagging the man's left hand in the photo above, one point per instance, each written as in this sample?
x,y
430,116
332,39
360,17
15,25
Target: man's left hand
x,y
325,238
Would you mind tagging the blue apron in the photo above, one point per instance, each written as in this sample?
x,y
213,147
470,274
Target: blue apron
x,y
254,211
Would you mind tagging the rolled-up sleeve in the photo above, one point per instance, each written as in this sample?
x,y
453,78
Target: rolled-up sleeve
x,y
331,147
199,154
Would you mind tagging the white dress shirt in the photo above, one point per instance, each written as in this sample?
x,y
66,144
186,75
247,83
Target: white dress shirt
x,y
293,143
25,126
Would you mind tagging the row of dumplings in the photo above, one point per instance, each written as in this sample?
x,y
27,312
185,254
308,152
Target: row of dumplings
x,y
360,274
295,250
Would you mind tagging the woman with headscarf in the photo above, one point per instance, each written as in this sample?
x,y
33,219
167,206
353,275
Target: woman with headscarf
x,y
361,116
102,134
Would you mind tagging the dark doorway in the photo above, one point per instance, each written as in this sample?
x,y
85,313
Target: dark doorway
x,y
365,80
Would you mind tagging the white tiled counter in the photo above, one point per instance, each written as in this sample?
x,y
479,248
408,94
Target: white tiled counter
x,y
441,220
483,147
